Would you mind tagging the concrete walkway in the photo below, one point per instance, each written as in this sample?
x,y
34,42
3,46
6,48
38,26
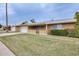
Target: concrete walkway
x,y
4,51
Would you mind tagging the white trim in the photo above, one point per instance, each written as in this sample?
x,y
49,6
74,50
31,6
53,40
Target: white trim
x,y
58,26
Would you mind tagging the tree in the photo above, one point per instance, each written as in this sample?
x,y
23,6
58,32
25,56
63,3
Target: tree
x,y
0,26
77,24
33,20
9,27
25,22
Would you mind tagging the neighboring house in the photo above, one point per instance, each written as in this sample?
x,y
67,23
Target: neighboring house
x,y
45,27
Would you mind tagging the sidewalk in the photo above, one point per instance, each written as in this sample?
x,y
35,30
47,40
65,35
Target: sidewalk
x,y
8,34
4,51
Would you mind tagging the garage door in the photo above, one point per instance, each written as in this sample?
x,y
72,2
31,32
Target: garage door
x,y
13,29
23,29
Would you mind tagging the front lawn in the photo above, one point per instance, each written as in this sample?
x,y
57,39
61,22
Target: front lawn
x,y
33,45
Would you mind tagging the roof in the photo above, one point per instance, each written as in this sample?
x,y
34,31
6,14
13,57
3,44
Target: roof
x,y
62,21
51,22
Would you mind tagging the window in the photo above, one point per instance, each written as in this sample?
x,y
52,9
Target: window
x,y
59,26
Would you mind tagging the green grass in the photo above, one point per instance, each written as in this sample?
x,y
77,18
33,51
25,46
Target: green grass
x,y
41,45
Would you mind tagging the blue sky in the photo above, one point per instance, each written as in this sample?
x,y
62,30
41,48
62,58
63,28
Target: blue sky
x,y
19,12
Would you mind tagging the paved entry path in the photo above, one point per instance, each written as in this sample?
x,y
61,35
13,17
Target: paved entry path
x,y
4,51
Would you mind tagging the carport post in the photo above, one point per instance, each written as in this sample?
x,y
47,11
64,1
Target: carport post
x,y
46,28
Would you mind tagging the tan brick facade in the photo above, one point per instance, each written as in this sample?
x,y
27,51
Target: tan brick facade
x,y
17,28
43,29
33,29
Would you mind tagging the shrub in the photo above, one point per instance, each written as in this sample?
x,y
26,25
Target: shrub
x,y
77,25
59,32
0,26
71,33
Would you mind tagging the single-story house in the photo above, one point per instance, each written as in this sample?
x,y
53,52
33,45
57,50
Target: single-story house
x,y
44,27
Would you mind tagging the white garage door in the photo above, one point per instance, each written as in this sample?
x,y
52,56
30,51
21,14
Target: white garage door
x,y
23,29
13,29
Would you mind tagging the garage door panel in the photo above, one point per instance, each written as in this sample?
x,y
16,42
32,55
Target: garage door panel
x,y
13,29
23,29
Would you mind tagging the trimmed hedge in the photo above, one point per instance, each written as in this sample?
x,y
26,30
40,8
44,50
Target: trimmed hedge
x,y
68,33
59,32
